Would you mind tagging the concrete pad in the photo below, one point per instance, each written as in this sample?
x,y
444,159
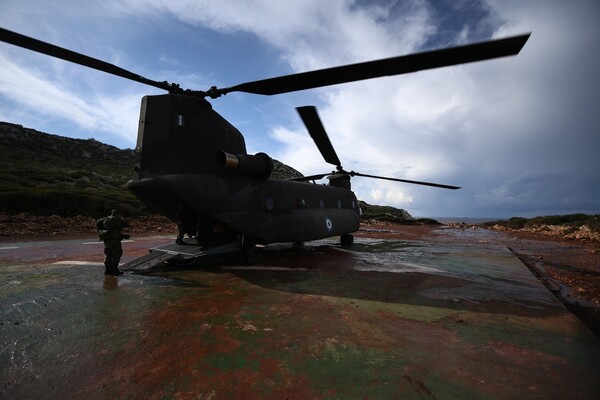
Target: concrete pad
x,y
386,319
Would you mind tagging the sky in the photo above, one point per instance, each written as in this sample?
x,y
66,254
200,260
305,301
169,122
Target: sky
x,y
519,134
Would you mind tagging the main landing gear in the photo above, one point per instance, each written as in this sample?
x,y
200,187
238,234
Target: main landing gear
x,y
250,252
346,240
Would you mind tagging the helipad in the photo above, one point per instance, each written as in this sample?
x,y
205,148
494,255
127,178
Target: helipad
x,y
387,320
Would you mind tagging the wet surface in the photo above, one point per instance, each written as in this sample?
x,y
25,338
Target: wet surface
x,y
385,319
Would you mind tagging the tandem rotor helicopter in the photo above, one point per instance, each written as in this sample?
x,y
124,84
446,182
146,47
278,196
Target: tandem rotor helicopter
x,y
191,165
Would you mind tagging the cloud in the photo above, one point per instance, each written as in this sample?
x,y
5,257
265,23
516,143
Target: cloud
x,y
393,197
310,34
36,90
545,193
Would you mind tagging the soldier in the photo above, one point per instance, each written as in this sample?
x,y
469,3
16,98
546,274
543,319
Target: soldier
x,y
109,230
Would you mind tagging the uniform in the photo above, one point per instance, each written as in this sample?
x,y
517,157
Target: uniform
x,y
111,235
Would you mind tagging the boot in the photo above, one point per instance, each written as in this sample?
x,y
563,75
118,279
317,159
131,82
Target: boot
x,y
113,270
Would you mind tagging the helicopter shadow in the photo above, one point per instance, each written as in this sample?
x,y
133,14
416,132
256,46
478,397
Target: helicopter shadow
x,y
411,273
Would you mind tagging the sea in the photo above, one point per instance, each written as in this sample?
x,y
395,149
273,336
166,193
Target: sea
x,y
466,220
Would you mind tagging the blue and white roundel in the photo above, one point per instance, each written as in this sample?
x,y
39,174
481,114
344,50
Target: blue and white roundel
x,y
328,224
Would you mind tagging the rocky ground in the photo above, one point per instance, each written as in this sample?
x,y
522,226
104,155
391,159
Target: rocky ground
x,y
568,263
25,227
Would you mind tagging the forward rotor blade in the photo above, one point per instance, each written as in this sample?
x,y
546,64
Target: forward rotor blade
x,y
49,49
438,185
386,67
311,120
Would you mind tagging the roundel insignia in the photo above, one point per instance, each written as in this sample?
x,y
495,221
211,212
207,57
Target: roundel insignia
x,y
328,224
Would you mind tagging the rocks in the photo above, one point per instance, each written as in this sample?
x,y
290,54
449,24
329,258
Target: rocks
x,y
566,232
27,227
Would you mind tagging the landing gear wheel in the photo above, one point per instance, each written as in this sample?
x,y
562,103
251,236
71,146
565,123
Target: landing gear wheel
x,y
251,254
346,240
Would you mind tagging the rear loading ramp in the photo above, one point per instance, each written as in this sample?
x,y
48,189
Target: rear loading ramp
x,y
147,262
182,253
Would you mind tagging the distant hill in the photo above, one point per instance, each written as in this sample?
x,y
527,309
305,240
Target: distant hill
x,y
560,225
386,213
47,174
44,174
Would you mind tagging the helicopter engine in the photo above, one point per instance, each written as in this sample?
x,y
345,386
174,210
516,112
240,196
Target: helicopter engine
x,y
259,166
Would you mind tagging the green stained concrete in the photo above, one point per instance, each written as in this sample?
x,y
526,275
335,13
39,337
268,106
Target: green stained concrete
x,y
388,319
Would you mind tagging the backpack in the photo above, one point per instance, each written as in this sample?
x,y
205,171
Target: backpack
x,y
103,233
100,224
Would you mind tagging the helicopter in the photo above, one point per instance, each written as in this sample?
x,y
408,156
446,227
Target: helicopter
x,y
191,165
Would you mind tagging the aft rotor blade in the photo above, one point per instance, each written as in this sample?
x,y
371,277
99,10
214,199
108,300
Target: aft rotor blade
x,y
438,185
386,67
311,120
55,51
310,177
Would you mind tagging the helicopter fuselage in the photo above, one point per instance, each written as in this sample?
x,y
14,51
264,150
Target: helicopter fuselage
x,y
183,170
